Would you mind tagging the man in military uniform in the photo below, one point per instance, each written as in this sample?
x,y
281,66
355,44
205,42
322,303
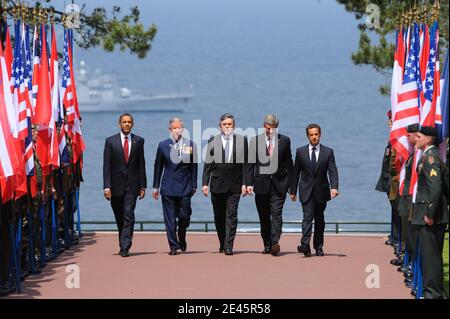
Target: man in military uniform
x,y
405,203
430,215
388,183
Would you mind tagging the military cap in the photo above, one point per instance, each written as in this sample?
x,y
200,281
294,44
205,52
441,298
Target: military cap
x,y
389,114
413,128
428,131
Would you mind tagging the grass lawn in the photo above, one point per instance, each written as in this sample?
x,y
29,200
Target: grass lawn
x,y
445,257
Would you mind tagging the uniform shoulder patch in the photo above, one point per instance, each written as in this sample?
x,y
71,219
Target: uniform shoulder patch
x,y
430,159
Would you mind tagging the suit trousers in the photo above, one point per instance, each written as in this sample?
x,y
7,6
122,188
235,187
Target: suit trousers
x,y
225,208
123,208
270,209
407,236
431,243
177,215
313,210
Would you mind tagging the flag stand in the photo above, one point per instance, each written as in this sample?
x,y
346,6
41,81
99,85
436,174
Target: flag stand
x,y
15,257
43,239
66,223
54,228
31,242
78,213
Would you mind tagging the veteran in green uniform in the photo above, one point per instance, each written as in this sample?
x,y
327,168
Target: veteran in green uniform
x,y
430,215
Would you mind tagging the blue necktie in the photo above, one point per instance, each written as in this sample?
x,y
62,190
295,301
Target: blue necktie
x,y
313,158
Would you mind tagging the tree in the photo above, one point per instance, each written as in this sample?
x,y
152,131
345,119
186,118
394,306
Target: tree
x,y
381,54
94,28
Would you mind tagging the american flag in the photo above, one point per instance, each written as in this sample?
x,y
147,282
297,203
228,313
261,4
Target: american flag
x,y
428,110
26,66
20,90
429,113
36,63
443,133
407,107
68,98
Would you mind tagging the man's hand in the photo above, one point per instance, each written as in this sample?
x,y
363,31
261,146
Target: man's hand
x,y
107,194
155,195
142,194
293,197
243,190
428,221
334,193
250,190
205,190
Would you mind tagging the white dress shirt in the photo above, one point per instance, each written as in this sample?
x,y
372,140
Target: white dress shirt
x,y
224,142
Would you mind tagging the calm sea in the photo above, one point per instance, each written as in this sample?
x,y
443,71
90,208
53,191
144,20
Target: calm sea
x,y
250,58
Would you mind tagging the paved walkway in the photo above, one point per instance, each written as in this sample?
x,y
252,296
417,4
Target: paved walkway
x,y
202,272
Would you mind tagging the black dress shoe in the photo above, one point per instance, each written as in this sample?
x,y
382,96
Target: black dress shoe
x,y
266,251
319,252
305,250
228,252
125,253
183,245
396,262
275,249
173,252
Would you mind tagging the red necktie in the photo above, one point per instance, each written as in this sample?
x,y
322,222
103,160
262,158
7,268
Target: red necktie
x,y
270,148
125,149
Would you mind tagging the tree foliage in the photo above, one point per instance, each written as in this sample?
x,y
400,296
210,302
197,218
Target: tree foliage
x,y
96,28
380,53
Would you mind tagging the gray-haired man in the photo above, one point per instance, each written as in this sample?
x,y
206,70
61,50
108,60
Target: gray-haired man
x,y
270,167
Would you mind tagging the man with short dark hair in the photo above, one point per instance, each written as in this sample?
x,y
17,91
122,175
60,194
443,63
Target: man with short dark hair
x,y
430,215
225,172
388,183
316,169
124,178
405,202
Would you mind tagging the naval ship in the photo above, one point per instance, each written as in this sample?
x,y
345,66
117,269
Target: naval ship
x,y
99,92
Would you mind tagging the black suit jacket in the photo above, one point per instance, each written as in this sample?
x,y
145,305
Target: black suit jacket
x,y
226,177
314,181
263,170
385,179
117,173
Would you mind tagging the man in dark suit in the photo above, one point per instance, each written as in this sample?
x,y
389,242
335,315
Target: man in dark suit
x,y
389,183
314,164
124,178
225,170
430,213
175,178
270,166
